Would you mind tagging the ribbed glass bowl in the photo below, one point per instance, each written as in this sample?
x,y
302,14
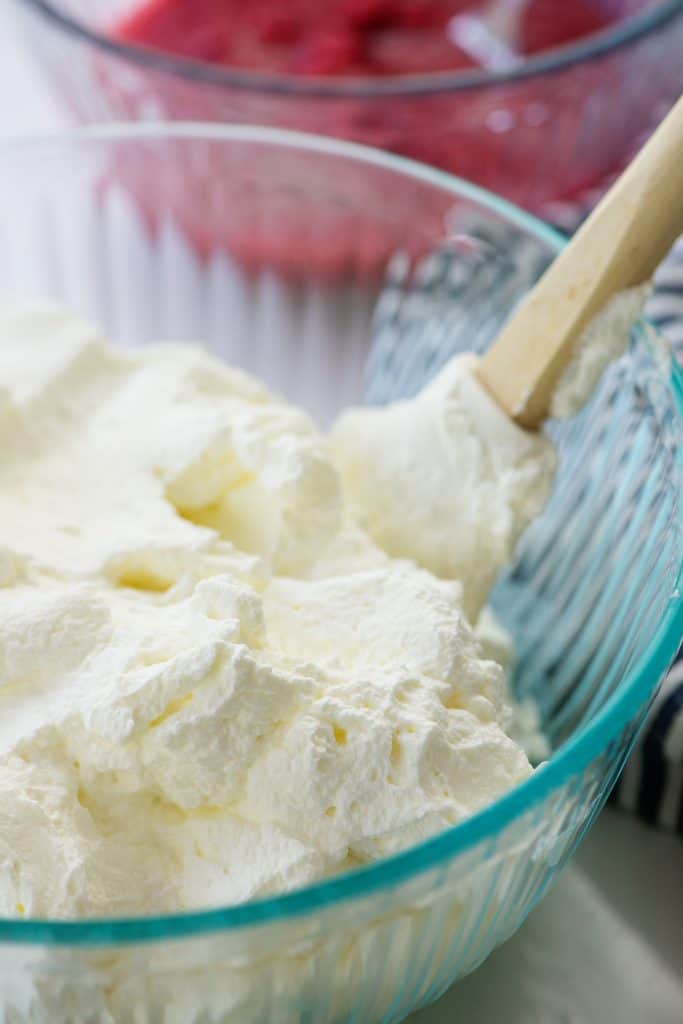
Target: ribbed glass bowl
x,y
551,129
593,598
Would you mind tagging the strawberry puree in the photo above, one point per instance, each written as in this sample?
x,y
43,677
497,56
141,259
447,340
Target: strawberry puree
x,y
343,37
534,139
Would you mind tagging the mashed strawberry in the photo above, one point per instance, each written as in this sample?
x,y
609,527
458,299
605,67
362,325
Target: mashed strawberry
x,y
342,37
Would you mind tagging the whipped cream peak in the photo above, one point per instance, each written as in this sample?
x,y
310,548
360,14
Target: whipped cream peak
x,y
445,479
603,340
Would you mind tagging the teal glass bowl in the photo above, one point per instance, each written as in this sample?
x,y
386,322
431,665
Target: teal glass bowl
x,y
406,265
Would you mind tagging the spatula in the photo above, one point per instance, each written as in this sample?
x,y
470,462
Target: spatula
x,y
619,246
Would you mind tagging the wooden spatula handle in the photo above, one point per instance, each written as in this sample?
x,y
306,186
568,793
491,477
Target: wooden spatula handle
x,y
620,245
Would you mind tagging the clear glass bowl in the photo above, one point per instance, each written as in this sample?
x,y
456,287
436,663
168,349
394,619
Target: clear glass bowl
x,y
549,130
593,598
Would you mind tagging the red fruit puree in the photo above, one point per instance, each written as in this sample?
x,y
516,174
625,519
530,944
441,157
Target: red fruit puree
x,y
498,137
344,37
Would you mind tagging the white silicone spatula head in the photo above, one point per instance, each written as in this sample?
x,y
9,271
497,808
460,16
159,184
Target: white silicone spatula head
x,y
619,246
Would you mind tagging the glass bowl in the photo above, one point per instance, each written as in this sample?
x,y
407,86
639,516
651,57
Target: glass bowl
x,y
549,130
593,598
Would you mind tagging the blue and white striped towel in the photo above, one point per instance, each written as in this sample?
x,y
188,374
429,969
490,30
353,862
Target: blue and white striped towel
x,y
651,784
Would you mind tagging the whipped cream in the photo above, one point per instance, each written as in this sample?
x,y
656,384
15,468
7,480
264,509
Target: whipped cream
x,y
604,340
236,657
445,479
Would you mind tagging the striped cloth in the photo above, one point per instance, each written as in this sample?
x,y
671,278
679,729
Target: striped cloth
x,y
651,784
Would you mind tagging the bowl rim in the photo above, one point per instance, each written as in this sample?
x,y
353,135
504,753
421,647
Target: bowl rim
x,y
635,689
594,46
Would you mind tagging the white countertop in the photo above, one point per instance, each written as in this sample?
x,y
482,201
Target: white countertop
x,y
605,946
